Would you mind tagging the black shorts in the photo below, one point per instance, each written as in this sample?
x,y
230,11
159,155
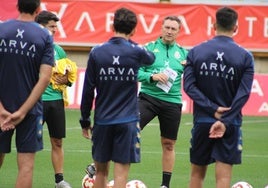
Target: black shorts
x,y
119,143
205,150
28,138
169,115
54,116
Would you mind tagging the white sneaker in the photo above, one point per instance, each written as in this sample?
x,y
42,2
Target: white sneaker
x,y
163,186
63,184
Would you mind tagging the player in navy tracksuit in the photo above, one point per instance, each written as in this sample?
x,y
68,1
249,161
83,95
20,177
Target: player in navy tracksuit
x,y
218,77
112,72
26,60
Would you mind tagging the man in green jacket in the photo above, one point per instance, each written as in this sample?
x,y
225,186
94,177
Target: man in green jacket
x,y
160,93
55,99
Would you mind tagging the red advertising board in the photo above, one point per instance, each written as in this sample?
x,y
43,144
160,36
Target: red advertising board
x,y
257,104
258,101
87,22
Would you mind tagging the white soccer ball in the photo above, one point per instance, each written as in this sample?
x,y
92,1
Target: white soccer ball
x,y
242,184
87,182
135,184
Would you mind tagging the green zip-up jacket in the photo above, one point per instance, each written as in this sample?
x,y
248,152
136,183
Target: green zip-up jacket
x,y
166,56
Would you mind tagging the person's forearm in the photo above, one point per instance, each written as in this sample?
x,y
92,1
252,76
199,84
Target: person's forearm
x,y
44,79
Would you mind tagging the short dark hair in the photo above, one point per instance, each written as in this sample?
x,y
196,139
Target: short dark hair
x,y
124,21
173,18
226,18
28,6
45,16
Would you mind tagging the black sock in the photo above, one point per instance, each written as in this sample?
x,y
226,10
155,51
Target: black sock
x,y
166,176
58,177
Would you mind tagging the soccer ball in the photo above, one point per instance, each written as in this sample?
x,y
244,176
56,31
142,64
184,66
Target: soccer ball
x,y
110,184
242,184
87,182
135,184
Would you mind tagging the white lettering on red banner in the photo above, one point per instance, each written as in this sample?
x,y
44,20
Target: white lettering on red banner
x,y
89,22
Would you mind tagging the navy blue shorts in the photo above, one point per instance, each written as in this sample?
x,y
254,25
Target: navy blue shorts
x,y
119,143
54,116
205,150
169,115
29,136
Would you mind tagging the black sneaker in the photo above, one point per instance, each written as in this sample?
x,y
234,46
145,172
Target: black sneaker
x,y
91,170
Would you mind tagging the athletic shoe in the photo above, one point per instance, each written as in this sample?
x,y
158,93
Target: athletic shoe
x,y
163,186
63,184
91,170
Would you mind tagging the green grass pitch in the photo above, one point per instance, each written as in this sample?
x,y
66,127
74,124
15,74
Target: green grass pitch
x,y
254,168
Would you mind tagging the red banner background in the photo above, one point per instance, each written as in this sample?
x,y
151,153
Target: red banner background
x,y
89,22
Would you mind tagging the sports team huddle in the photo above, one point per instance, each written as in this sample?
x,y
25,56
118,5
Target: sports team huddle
x,y
35,73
